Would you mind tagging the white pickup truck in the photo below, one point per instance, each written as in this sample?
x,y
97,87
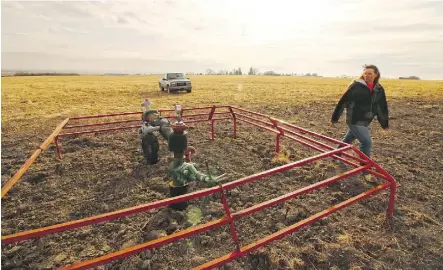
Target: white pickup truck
x,y
174,82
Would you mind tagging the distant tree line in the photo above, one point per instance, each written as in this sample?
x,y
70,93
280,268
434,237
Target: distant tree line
x,y
253,71
409,78
235,71
44,74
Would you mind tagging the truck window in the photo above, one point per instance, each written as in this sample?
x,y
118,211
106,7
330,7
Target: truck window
x,y
173,76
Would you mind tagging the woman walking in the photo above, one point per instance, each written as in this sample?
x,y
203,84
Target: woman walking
x,y
364,99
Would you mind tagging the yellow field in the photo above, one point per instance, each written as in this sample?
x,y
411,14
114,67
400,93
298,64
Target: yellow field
x,y
31,102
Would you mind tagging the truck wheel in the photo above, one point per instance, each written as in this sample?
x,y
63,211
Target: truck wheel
x,y
160,86
188,90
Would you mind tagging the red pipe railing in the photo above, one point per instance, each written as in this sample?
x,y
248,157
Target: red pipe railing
x,y
103,124
142,208
288,230
269,124
104,115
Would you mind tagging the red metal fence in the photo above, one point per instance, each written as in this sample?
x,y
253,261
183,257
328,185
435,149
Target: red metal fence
x,y
280,128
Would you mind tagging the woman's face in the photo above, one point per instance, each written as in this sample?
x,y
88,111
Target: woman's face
x,y
369,75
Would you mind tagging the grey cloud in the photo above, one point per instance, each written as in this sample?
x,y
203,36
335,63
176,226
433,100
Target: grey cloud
x,y
399,64
407,28
52,62
350,29
122,20
223,36
11,5
72,9
65,30
434,6
130,14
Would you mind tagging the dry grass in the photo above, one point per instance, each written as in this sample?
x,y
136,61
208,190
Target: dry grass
x,y
32,101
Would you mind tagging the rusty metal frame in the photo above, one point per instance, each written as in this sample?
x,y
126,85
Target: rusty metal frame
x,y
281,128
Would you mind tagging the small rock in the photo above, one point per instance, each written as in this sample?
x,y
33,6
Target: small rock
x,y
280,226
197,260
105,248
162,222
281,215
178,216
12,264
37,197
224,236
227,266
14,250
125,220
23,208
82,234
244,197
266,161
295,215
160,188
171,228
213,208
148,254
129,243
263,263
145,265
157,266
121,232
46,265
205,240
283,264
59,258
88,252
183,248
207,218
235,192
255,222
154,235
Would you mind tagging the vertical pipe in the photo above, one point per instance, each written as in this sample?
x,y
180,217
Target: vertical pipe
x,y
212,129
235,121
231,221
277,144
188,155
57,145
390,211
235,127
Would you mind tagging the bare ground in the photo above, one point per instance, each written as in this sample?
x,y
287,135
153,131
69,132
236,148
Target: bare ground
x,y
106,172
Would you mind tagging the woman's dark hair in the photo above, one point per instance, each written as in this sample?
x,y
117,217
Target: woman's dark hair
x,y
375,68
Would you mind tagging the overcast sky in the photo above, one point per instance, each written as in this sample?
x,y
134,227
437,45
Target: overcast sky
x,y
329,37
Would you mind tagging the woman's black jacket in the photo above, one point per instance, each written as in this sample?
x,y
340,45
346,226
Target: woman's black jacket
x,y
362,105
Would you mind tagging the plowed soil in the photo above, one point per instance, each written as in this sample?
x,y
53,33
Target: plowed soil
x,y
106,172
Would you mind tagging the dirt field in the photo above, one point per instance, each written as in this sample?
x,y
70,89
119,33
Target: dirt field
x,y
106,172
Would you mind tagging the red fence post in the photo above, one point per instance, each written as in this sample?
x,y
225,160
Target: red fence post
x,y
235,127
211,118
277,144
235,121
212,129
231,221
